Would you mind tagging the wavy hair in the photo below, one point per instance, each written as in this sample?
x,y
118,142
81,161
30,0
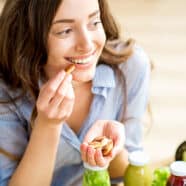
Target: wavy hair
x,y
24,29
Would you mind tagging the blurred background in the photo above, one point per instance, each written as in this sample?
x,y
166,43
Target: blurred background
x,y
159,26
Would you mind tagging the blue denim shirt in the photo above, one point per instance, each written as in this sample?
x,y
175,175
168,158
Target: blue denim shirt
x,y
107,104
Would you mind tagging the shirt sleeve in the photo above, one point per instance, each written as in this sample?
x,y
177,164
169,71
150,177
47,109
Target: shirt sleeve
x,y
13,140
137,74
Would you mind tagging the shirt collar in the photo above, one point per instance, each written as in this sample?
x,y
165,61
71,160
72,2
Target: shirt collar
x,y
103,80
104,77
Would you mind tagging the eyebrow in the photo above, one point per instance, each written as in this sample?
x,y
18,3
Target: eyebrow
x,y
72,20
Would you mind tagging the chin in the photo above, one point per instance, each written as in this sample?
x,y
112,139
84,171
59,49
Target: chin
x,y
84,77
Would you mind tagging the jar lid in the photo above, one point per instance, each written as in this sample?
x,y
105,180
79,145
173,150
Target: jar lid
x,y
94,168
178,168
138,158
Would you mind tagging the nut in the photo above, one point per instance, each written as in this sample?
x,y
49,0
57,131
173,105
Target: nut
x,y
106,149
70,69
104,143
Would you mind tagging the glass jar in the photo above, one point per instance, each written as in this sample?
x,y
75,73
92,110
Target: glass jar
x,y
95,176
178,174
138,172
181,152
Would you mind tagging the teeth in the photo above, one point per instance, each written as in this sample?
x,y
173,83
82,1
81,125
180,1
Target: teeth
x,y
81,61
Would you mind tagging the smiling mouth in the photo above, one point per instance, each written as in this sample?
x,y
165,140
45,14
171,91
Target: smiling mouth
x,y
81,60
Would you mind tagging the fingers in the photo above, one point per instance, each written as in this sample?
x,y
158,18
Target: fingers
x,y
96,130
88,154
48,90
61,92
93,156
83,148
100,160
111,129
56,98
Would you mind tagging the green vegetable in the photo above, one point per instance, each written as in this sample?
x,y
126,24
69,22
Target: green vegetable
x,y
160,176
96,178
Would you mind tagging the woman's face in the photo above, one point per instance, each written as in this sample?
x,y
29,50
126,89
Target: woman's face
x,y
76,36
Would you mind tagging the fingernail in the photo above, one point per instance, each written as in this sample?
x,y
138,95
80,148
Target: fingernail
x,y
71,95
69,77
85,143
61,74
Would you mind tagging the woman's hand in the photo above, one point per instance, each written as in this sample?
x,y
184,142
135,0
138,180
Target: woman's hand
x,y
111,129
55,101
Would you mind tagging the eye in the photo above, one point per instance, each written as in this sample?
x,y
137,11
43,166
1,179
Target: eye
x,y
64,32
95,24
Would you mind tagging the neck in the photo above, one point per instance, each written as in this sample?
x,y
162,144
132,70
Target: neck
x,y
78,84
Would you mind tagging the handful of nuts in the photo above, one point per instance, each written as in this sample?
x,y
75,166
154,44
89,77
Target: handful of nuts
x,y
102,142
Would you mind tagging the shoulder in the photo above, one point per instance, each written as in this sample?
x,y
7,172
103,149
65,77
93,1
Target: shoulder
x,y
7,92
7,105
138,62
3,89
136,71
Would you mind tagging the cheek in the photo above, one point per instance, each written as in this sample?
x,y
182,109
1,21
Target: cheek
x,y
101,38
57,48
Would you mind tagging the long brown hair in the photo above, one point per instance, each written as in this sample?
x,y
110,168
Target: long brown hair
x,y
24,29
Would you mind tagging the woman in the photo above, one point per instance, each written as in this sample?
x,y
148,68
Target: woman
x,y
47,116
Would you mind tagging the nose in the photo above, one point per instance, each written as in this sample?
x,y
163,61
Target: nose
x,y
84,41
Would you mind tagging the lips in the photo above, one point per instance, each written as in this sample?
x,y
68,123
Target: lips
x,y
81,60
